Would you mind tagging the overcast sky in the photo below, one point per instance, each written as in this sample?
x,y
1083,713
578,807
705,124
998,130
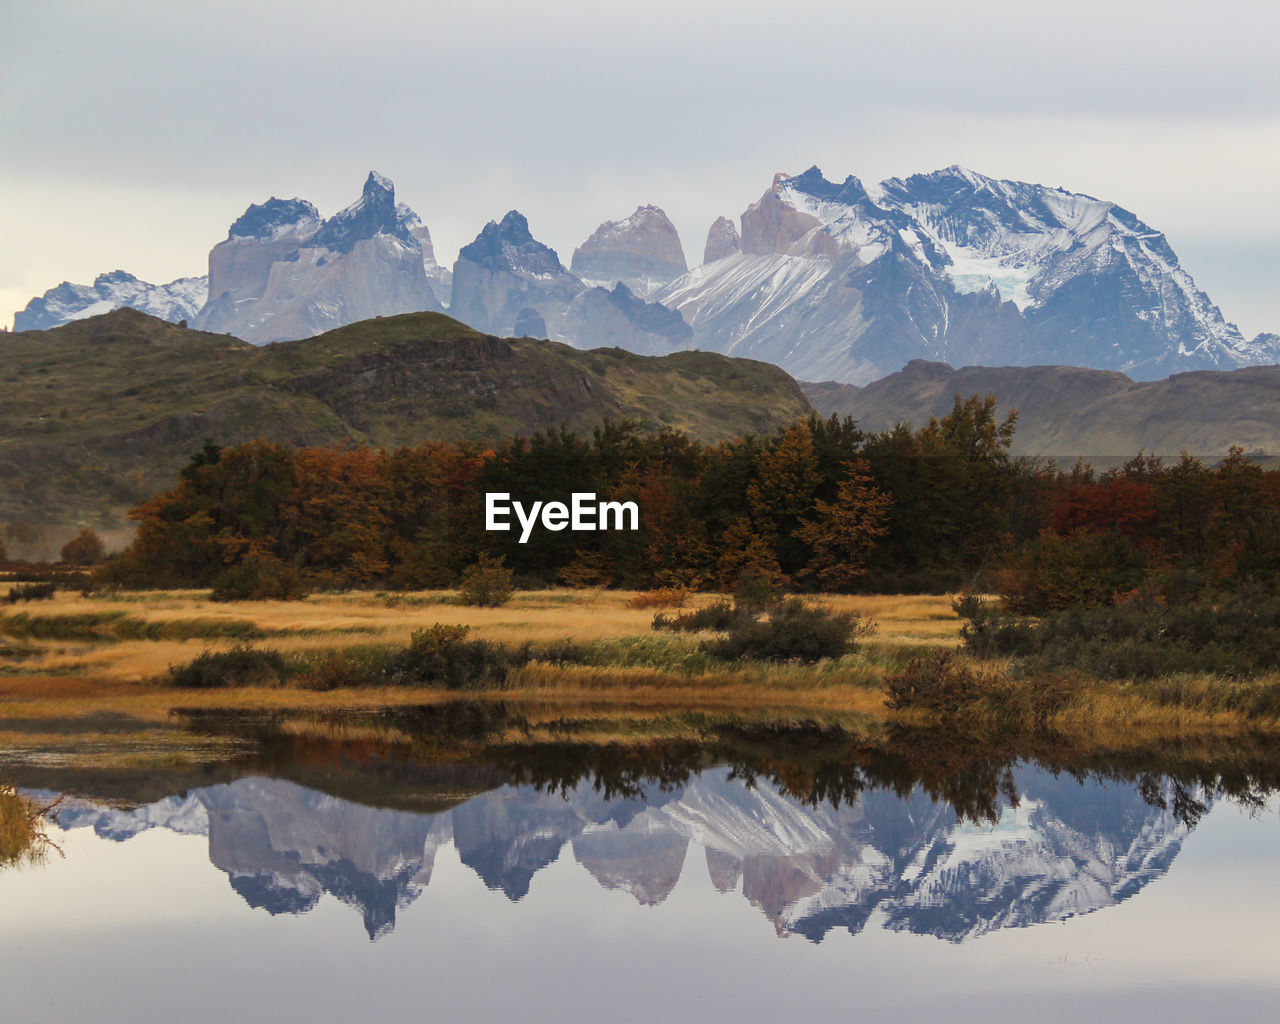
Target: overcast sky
x,y
134,132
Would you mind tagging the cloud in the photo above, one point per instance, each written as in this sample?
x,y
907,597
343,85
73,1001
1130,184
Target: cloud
x,y
575,112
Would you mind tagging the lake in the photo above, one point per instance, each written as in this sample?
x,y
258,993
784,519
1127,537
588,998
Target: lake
x,y
336,882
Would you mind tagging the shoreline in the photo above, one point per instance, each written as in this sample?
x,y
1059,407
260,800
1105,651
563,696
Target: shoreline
x,y
642,685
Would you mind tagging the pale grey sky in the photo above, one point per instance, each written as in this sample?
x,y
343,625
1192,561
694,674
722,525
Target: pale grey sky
x,y
134,133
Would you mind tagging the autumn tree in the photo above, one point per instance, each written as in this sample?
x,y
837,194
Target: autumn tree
x,y
1124,506
782,494
433,512
843,532
335,516
225,505
85,548
745,555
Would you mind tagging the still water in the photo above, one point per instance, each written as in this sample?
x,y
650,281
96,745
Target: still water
x,y
709,895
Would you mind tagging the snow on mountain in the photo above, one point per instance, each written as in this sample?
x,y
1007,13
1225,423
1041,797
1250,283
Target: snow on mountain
x,y
177,300
1064,259
277,218
375,213
840,281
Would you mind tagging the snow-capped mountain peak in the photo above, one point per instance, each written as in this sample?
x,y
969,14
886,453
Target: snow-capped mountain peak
x,y
177,300
509,245
374,213
955,266
276,218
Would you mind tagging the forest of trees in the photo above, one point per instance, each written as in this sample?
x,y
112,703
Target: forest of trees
x,y
818,506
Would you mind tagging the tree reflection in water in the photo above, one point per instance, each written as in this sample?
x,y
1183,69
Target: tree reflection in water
x,y
24,839
820,826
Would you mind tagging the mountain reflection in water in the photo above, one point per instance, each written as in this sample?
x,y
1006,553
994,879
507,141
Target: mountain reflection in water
x,y
1056,848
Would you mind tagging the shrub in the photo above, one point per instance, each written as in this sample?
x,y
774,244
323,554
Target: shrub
x,y
756,592
939,683
719,615
991,632
241,666
792,631
946,686
441,655
486,584
333,670
259,577
438,656
31,592
1055,572
1233,635
85,548
23,836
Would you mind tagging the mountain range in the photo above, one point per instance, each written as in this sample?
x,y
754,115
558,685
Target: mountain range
x,y
848,282
1061,849
829,280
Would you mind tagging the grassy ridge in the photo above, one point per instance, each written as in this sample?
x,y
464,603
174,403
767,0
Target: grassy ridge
x,y
99,414
1069,411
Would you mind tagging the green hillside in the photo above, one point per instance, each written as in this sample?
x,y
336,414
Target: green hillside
x,y
100,413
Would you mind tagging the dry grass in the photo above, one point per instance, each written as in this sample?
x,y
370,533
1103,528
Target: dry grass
x,y
334,621
904,618
641,673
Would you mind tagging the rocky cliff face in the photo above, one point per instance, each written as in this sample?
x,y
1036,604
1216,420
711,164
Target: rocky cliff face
x,y
507,283
642,252
285,273
505,273
614,318
722,241
240,267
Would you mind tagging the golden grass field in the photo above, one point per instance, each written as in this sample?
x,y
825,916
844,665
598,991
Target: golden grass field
x,y
115,663
95,669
